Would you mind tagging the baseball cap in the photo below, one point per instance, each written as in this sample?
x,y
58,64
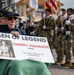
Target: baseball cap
x,y
7,12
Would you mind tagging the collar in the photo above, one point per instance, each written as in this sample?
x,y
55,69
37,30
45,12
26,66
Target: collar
x,y
49,16
71,16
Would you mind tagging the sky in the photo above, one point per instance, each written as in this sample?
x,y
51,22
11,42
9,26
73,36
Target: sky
x,y
67,3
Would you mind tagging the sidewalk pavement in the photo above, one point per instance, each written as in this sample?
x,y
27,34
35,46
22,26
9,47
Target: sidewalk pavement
x,y
59,70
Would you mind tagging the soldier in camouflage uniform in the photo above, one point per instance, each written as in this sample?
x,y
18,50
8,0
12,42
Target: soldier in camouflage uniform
x,y
59,45
68,38
46,25
72,32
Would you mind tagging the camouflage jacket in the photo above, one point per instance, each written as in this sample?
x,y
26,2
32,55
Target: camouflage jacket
x,y
49,22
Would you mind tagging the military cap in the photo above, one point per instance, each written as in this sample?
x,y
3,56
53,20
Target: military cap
x,y
7,12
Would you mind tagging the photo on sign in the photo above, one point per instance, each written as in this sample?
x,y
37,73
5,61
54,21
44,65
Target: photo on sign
x,y
6,48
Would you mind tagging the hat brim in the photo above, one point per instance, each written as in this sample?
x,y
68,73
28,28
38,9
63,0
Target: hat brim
x,y
12,14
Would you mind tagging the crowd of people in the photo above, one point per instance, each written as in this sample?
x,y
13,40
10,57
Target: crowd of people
x,y
64,38
59,32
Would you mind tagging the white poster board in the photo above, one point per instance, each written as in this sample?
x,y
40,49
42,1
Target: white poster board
x,y
25,47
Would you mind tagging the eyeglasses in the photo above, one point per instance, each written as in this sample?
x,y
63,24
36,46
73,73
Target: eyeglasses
x,y
10,18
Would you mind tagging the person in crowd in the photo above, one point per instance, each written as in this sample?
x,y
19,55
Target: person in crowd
x,y
60,36
29,28
68,38
46,25
18,67
20,24
3,23
70,31
64,14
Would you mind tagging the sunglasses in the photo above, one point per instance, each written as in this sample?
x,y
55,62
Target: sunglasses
x,y
11,18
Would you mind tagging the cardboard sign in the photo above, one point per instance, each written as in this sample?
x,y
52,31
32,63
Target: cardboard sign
x,y
25,47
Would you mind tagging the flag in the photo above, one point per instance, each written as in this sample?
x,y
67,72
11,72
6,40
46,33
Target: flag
x,y
52,4
33,6
48,4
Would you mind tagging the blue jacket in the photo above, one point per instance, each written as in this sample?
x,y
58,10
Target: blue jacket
x,y
5,29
